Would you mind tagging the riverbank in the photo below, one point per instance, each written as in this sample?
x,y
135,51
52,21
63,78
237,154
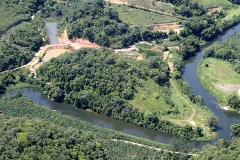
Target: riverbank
x,y
14,108
219,78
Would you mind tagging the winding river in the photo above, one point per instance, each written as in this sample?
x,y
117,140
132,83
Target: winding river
x,y
226,118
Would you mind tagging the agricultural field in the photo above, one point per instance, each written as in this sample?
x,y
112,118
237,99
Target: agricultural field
x,y
214,3
218,77
141,18
149,4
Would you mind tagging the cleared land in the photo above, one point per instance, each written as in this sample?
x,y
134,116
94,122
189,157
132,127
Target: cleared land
x,y
53,53
168,26
149,50
218,77
138,17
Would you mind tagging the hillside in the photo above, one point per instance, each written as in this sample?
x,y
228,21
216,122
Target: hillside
x,y
134,91
20,36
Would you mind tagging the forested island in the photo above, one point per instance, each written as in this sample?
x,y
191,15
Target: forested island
x,y
123,61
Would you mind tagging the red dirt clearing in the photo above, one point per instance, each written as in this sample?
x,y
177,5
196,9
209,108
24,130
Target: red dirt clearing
x,y
76,43
213,10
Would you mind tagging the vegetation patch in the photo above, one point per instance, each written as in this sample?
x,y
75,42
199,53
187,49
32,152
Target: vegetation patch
x,y
232,12
141,18
148,4
213,3
149,50
126,89
36,139
102,141
20,35
218,77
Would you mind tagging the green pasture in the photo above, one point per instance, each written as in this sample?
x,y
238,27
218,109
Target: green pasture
x,y
141,18
215,71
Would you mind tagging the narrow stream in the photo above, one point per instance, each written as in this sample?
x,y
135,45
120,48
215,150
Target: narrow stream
x,y
226,118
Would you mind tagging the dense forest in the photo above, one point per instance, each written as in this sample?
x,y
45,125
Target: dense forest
x,y
41,124
20,35
199,30
22,138
187,8
104,82
96,22
235,1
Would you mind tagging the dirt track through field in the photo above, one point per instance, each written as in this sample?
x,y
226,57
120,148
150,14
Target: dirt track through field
x,y
190,119
158,149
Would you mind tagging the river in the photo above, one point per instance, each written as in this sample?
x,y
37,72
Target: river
x,y
226,118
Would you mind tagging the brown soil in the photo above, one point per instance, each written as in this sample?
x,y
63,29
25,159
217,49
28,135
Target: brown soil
x,y
54,53
227,88
76,43
140,58
170,64
117,1
167,26
212,10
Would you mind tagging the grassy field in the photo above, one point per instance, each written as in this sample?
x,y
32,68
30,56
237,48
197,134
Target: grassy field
x,y
153,4
151,98
214,3
231,12
137,17
217,72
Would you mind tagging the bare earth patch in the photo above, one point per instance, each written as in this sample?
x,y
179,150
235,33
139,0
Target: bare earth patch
x,y
117,1
227,88
168,26
76,43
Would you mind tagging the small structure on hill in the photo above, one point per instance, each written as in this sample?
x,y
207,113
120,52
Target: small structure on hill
x,y
0,111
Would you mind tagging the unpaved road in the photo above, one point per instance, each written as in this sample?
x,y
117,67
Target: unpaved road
x,y
158,149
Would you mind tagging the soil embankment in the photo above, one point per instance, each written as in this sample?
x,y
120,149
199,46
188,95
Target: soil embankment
x,y
76,43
